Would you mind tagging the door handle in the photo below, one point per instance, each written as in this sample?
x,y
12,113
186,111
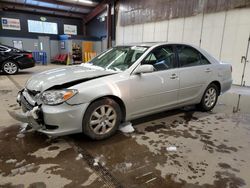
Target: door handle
x,y
208,70
173,76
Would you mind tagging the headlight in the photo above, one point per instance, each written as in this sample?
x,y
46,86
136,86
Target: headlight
x,y
53,97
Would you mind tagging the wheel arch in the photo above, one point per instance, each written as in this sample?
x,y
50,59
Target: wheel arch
x,y
217,83
118,100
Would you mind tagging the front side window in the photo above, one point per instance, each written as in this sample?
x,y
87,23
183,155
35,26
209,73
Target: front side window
x,y
162,58
189,57
119,58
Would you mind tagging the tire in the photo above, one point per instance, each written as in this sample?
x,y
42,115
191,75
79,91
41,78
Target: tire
x,y
209,98
101,119
10,67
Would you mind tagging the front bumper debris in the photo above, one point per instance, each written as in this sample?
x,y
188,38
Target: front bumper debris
x,y
58,120
31,117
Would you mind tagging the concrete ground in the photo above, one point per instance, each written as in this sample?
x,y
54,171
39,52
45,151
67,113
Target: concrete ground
x,y
212,149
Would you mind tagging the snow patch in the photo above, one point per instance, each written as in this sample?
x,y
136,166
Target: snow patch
x,y
126,127
11,161
79,156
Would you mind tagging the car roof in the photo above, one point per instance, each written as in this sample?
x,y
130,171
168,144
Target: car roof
x,y
151,44
146,44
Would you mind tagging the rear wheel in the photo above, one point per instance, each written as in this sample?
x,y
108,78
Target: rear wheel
x,y
209,98
10,67
101,119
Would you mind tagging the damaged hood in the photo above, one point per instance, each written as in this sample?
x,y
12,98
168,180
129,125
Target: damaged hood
x,y
56,77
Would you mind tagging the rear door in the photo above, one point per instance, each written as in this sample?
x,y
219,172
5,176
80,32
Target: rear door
x,y
159,89
194,72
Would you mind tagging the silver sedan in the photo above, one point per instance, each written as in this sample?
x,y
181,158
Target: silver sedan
x,y
119,85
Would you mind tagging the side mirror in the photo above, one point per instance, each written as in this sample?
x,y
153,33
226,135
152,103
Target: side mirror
x,y
144,69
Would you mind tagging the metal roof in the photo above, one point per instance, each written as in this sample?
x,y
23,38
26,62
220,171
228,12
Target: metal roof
x,y
70,8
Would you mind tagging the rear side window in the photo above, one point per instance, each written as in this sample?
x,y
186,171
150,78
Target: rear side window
x,y
162,58
189,57
204,61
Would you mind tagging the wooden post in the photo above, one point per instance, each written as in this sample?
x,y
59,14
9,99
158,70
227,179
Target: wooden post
x,y
109,26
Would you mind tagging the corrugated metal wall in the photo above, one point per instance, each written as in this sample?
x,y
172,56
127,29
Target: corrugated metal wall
x,y
223,34
143,11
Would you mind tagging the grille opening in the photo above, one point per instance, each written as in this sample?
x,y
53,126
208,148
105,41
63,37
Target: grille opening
x,y
51,127
32,92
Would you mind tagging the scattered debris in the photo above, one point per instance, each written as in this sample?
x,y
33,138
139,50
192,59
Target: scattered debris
x,y
79,156
23,169
100,160
96,162
171,148
126,127
20,135
25,127
146,174
11,161
20,163
151,180
128,165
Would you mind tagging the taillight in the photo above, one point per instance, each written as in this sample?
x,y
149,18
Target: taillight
x,y
231,69
29,55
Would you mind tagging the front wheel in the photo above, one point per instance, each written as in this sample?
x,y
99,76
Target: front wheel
x,y
101,119
10,67
209,98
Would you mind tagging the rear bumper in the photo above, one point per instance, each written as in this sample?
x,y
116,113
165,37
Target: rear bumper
x,y
226,85
53,121
25,63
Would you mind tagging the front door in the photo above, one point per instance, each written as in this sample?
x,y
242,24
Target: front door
x,y
151,92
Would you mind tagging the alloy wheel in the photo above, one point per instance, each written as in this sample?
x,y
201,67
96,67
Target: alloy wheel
x,y
10,68
210,97
103,119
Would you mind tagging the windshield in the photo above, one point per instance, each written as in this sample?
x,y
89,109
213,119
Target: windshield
x,y
118,58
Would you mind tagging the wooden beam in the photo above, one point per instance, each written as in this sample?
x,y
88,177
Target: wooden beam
x,y
31,11
20,5
96,11
109,26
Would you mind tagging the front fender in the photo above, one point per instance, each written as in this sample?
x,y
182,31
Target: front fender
x,y
94,89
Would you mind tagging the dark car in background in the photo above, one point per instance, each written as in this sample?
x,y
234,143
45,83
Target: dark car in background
x,y
13,59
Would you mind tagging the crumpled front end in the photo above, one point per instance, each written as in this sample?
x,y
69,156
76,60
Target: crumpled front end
x,y
31,117
56,120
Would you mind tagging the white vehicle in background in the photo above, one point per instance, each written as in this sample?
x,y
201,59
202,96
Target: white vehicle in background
x,y
119,85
